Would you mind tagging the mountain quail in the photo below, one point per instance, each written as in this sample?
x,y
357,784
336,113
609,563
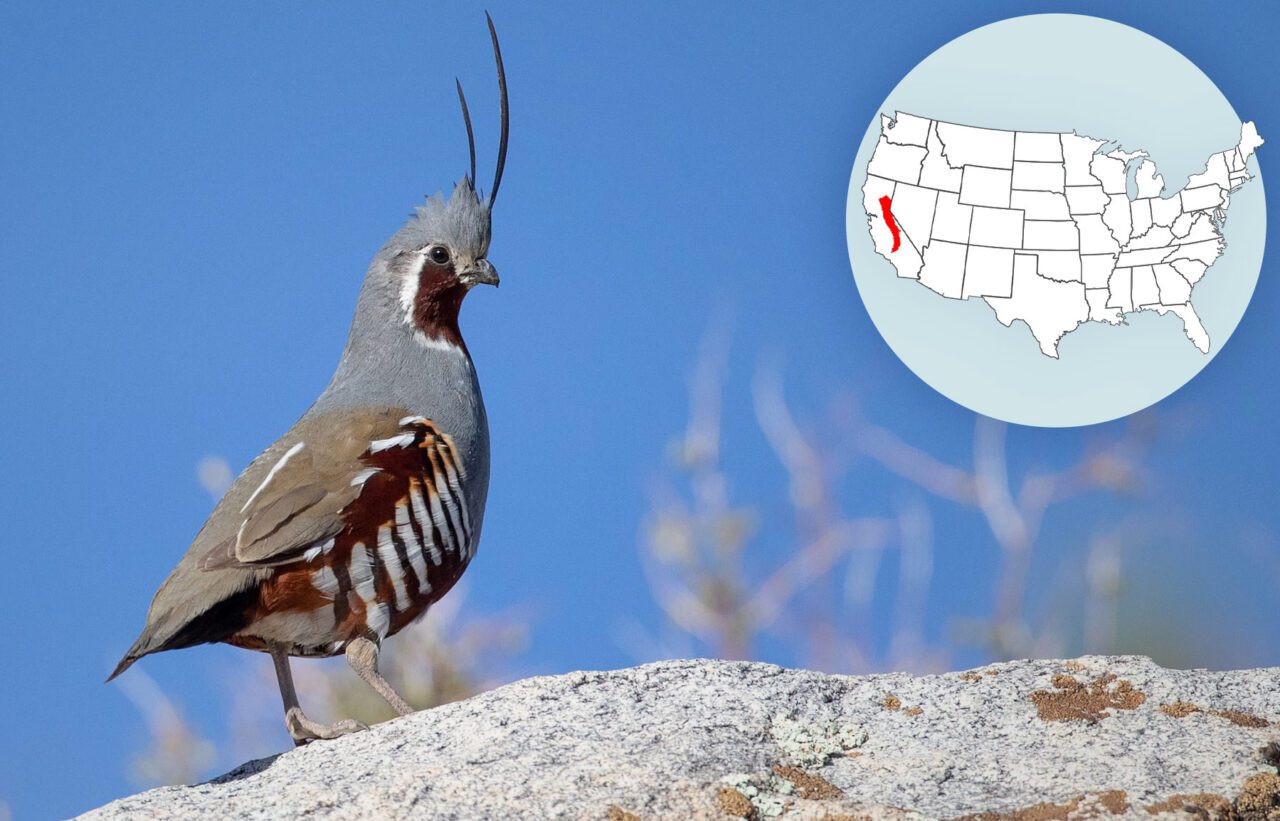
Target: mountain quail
x,y
368,510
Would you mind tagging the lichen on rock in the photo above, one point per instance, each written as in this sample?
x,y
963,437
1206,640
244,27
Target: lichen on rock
x,y
806,745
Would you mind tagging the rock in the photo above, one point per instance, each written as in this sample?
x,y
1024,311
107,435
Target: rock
x,y
1097,737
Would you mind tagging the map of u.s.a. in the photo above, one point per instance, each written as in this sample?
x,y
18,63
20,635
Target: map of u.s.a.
x,y
1041,225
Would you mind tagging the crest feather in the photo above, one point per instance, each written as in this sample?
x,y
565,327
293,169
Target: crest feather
x,y
462,222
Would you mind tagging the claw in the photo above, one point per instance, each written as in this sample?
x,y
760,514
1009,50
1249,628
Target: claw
x,y
303,729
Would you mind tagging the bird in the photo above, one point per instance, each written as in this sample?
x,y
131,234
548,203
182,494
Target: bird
x,y
367,511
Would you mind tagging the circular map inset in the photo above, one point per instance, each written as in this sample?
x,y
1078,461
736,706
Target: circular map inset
x,y
1056,220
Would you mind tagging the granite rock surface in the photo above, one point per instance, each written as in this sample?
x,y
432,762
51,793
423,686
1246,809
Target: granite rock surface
x,y
1095,737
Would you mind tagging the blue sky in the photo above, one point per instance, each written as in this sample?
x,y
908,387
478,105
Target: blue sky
x,y
191,193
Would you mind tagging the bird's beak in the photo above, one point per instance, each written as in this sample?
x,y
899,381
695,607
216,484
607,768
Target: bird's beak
x,y
481,272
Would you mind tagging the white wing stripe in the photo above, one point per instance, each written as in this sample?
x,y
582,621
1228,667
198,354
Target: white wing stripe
x,y
324,580
363,476
376,617
404,440
289,454
442,524
461,507
420,511
314,552
450,502
390,558
412,547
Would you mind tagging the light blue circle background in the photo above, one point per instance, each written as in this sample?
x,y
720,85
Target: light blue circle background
x,y
1064,72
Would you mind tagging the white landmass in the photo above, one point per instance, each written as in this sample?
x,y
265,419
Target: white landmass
x,y
1042,225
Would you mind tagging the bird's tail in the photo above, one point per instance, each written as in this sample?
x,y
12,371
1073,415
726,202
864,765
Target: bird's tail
x,y
213,624
125,664
137,651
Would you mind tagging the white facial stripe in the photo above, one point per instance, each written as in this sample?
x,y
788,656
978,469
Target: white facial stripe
x,y
271,473
409,286
409,295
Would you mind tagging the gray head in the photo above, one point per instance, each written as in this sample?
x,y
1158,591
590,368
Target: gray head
x,y
420,277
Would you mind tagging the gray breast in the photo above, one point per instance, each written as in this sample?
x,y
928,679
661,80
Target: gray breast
x,y
432,380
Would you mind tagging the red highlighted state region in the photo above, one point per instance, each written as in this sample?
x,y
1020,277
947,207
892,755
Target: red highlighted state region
x,y
886,203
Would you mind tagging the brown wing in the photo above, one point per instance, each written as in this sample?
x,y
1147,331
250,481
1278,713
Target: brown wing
x,y
300,501
376,497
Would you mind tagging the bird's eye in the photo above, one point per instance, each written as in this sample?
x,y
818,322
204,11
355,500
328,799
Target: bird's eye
x,y
438,254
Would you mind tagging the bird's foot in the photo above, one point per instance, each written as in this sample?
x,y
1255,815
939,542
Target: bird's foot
x,y
303,729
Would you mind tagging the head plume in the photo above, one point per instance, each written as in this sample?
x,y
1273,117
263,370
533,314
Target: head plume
x,y
504,116
463,220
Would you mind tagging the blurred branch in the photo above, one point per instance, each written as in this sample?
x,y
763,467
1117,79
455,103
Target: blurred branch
x,y
812,562
915,539
1013,518
825,536
697,541
694,547
1103,579
916,466
177,753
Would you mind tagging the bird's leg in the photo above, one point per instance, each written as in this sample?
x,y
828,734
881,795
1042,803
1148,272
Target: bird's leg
x,y
301,728
362,655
